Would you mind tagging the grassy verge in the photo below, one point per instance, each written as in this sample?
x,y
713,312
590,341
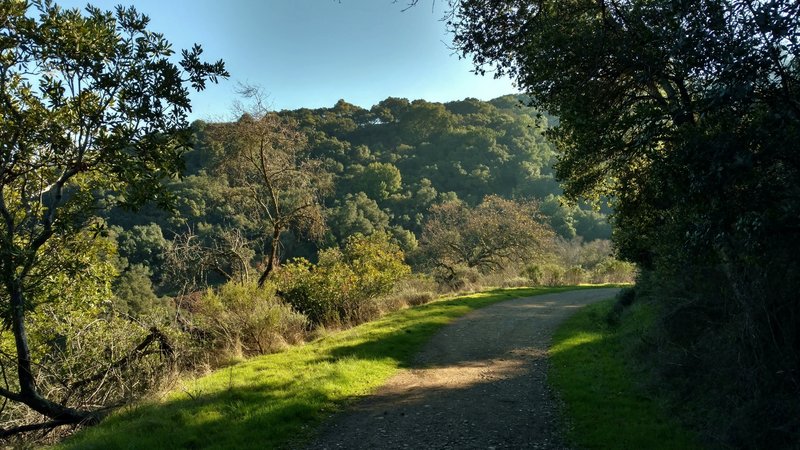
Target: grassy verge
x,y
591,370
276,400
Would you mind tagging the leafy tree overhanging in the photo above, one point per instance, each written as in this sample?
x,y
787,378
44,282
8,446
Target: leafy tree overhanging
x,y
87,101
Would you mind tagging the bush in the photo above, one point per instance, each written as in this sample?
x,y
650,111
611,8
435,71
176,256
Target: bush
x,y
88,361
243,319
342,287
547,274
534,274
611,270
419,298
455,278
574,275
402,300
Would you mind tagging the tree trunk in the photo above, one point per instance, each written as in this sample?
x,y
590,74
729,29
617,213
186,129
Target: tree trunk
x,y
28,393
273,257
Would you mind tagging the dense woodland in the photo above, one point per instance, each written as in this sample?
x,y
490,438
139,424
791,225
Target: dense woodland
x,y
376,170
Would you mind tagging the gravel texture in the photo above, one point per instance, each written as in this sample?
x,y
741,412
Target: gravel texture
x,y
480,383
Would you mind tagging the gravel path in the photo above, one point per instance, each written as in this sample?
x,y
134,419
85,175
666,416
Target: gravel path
x,y
479,383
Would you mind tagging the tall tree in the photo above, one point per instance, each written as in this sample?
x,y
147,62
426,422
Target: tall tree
x,y
88,101
268,163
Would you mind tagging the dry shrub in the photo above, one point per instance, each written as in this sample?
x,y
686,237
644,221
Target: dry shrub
x,y
546,274
414,290
515,282
419,298
574,275
456,279
87,360
392,303
242,319
417,283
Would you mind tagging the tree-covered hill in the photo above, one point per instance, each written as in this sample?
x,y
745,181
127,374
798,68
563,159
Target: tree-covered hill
x,y
389,165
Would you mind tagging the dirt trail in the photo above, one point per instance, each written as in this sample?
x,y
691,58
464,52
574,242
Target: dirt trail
x,y
479,383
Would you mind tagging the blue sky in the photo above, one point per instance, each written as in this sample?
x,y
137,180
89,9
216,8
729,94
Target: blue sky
x,y
311,53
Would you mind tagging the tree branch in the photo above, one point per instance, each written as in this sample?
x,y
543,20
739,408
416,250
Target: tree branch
x,y
132,356
4,433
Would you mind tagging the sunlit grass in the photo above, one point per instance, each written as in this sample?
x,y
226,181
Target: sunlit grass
x,y
277,400
605,406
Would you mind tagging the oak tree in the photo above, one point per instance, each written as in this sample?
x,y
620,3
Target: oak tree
x,y
687,114
486,238
88,100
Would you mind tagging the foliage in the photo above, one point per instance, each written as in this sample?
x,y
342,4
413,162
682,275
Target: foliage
x,y
574,275
611,270
383,178
376,180
134,293
471,148
546,274
356,214
144,245
686,115
77,343
245,319
603,394
342,287
272,401
483,238
87,102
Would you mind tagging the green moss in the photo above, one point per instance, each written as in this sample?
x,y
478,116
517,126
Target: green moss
x,y
277,400
605,406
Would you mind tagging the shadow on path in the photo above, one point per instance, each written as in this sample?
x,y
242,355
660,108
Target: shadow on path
x,y
479,383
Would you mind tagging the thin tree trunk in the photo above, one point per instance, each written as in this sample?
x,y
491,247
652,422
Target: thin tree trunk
x,y
273,258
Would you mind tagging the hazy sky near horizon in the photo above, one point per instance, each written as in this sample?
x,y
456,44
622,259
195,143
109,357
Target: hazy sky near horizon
x,y
311,53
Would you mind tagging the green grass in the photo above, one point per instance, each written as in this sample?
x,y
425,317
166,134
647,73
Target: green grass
x,y
605,406
277,400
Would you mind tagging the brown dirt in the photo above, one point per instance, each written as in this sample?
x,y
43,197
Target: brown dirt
x,y
479,383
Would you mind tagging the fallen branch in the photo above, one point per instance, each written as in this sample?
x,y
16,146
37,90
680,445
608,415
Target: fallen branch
x,y
134,355
4,433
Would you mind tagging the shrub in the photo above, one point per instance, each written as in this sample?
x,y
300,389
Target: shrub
x,y
574,275
611,270
342,287
419,298
455,278
534,274
547,274
89,361
241,318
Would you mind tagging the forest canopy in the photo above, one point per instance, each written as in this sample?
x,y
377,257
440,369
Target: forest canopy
x,y
388,164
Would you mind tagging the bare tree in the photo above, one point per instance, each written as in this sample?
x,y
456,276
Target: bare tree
x,y
279,185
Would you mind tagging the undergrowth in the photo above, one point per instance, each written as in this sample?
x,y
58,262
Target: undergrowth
x,y
606,406
276,400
